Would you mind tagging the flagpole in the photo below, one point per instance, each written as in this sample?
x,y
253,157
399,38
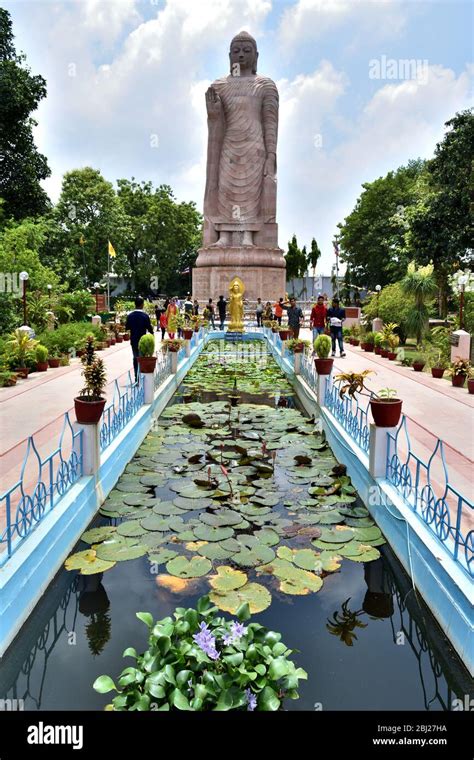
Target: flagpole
x,y
108,278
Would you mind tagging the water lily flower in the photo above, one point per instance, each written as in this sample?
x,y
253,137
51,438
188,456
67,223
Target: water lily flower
x,y
251,700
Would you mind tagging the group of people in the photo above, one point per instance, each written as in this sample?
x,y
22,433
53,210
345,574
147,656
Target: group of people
x,y
323,319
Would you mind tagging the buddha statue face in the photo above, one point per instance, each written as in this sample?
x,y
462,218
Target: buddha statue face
x,y
235,287
243,55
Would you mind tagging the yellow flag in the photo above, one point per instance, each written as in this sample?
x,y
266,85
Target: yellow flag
x,y
82,241
112,253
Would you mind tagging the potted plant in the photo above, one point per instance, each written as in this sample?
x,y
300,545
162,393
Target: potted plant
x,y
7,378
171,344
284,331
196,322
126,336
346,334
470,381
385,407
418,362
20,345
54,358
298,345
458,371
41,353
378,343
146,349
187,327
322,346
438,364
354,331
90,403
369,339
274,325
393,341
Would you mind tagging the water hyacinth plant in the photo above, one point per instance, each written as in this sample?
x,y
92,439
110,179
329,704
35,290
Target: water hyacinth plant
x,y
200,661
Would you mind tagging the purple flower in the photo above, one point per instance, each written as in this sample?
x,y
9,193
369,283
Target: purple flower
x,y
251,700
228,639
238,630
206,641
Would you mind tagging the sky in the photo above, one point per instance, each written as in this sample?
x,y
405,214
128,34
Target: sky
x,y
364,87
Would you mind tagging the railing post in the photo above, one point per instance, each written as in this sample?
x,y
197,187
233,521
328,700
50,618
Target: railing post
x,y
90,447
378,449
148,380
297,357
187,345
174,362
283,347
321,385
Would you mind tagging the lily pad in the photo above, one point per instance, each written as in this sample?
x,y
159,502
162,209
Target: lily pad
x,y
96,535
215,551
227,579
267,536
162,556
188,568
155,522
336,535
210,533
87,562
116,551
131,528
254,594
191,504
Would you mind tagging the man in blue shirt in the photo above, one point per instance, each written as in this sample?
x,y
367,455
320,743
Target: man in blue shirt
x,y
335,317
138,323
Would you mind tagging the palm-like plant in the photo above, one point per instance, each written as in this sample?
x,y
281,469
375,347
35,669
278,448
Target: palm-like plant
x,y
353,382
421,285
20,344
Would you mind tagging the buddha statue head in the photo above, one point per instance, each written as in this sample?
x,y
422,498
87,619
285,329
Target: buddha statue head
x,y
243,54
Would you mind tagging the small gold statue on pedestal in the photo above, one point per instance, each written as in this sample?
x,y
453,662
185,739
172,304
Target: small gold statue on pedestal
x,y
236,305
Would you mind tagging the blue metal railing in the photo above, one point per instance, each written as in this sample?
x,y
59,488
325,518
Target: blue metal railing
x,y
441,506
349,414
20,512
124,406
162,368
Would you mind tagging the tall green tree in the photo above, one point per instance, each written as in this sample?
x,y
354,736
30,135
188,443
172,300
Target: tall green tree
x,y
372,237
440,221
296,261
420,284
164,236
22,167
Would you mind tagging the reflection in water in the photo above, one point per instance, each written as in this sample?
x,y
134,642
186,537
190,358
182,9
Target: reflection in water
x,y
94,603
386,598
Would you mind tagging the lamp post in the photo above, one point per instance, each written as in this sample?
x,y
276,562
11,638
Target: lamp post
x,y
96,286
50,287
378,288
24,277
463,279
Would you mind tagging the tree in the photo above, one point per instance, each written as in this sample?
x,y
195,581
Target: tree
x,y
22,167
440,222
393,306
372,237
313,258
164,235
88,214
296,261
420,284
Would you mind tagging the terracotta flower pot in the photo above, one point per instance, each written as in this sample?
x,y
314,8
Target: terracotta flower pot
x,y
392,356
298,349
173,350
187,334
274,330
377,350
355,342
384,353
386,413
42,366
119,339
22,371
54,363
369,347
418,366
284,334
88,412
113,341
458,380
147,364
470,385
437,372
126,336
323,366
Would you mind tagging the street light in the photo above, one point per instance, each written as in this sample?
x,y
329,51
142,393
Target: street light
x,y
50,287
24,277
378,288
463,279
96,286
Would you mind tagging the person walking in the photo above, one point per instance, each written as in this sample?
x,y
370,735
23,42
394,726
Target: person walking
x,y
138,323
163,324
268,312
209,313
295,317
188,309
221,308
158,312
172,313
278,310
335,317
195,307
259,312
317,320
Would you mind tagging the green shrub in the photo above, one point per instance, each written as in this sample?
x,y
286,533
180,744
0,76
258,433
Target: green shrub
x,y
378,339
199,661
41,354
75,306
72,335
146,345
322,346
369,338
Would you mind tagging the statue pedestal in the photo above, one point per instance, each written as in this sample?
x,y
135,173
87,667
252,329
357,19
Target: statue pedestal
x,y
262,270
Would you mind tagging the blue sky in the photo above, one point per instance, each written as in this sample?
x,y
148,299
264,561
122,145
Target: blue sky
x,y
126,82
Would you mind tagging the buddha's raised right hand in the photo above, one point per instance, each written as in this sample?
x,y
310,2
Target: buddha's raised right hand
x,y
213,104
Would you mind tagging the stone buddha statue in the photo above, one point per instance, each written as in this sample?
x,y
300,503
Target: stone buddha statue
x,y
242,110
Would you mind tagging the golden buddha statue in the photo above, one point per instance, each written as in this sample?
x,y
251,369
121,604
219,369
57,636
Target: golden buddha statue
x,y
236,305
